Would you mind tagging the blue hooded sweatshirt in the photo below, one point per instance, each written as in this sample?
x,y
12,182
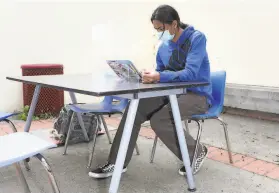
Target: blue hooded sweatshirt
x,y
186,60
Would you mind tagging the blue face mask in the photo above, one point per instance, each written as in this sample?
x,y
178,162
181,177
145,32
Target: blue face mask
x,y
165,36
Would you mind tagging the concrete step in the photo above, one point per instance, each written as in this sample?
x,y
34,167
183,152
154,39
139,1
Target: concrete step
x,y
255,98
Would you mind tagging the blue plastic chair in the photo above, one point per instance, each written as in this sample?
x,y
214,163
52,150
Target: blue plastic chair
x,y
218,80
109,106
106,107
4,117
22,146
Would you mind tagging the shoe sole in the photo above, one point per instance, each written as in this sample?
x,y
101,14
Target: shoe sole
x,y
205,157
184,173
100,176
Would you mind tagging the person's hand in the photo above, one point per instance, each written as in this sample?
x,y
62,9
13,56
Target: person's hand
x,y
150,76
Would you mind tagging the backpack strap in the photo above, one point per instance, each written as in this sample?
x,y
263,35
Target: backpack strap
x,y
178,58
187,43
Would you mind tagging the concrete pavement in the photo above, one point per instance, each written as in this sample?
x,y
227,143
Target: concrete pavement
x,y
252,138
141,177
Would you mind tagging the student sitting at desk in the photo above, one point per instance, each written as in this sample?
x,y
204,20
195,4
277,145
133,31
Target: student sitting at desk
x,y
181,57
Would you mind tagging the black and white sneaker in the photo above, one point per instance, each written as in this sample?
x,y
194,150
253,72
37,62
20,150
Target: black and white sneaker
x,y
104,171
199,161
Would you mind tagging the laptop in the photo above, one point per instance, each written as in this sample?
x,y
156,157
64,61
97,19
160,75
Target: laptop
x,y
125,69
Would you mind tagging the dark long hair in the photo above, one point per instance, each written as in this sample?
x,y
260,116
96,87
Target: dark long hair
x,y
167,14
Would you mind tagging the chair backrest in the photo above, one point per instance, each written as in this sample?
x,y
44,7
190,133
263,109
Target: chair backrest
x,y
4,115
218,80
21,145
108,100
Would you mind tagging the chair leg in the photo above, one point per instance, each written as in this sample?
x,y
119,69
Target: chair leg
x,y
93,145
153,149
137,149
106,129
26,164
186,126
50,174
69,133
197,144
227,139
11,124
22,178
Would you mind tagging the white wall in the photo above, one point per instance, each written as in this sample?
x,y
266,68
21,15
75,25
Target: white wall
x,y
242,37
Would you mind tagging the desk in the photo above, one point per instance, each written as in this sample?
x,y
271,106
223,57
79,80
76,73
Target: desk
x,y
102,85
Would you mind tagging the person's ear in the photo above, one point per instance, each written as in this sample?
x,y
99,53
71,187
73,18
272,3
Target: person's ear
x,y
175,24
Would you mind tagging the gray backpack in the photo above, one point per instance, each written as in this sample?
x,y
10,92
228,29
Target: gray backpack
x,y
61,126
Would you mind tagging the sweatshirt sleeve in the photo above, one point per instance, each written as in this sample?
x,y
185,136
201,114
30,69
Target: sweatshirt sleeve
x,y
160,65
193,62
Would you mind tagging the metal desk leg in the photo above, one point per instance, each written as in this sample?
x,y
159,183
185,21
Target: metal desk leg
x,y
22,178
30,117
32,108
123,146
182,142
74,101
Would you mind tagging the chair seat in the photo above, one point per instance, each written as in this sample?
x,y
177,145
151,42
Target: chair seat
x,y
19,146
96,108
4,115
212,113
